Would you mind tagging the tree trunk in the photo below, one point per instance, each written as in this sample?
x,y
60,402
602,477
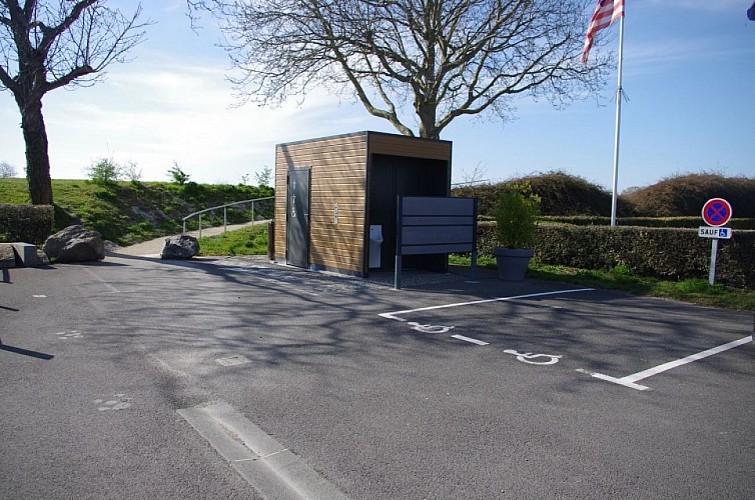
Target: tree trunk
x,y
426,112
37,159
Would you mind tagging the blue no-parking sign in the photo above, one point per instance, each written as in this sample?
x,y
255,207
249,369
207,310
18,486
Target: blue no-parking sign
x,y
716,212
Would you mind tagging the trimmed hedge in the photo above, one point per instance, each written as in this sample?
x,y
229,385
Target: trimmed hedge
x,y
667,253
690,222
26,223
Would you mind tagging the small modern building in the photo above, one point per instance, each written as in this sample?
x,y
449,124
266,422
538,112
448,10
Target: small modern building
x,y
336,199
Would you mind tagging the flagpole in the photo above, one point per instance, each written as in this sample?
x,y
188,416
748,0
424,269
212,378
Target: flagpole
x,y
618,125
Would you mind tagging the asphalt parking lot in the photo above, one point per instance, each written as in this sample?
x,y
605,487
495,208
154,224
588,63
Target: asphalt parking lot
x,y
114,372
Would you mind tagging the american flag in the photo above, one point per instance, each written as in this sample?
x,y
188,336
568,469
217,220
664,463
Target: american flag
x,y
606,12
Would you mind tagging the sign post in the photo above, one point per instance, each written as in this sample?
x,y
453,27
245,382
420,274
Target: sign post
x,y
716,213
713,254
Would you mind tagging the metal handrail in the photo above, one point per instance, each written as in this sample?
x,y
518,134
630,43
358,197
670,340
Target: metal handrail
x,y
225,212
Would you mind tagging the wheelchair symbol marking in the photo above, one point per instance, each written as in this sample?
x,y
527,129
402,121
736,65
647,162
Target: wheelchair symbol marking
x,y
528,357
430,328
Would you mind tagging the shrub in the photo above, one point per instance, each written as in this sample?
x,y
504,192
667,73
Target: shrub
x,y
516,212
179,176
565,194
132,172
658,252
263,176
560,194
104,171
25,223
668,253
685,194
688,222
486,194
105,194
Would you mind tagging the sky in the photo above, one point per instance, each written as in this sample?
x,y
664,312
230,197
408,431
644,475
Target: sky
x,y
688,75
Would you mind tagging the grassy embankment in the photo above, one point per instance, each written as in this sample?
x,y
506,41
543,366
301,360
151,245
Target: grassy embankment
x,y
130,212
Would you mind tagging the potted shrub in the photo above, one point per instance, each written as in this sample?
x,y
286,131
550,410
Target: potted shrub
x,y
516,213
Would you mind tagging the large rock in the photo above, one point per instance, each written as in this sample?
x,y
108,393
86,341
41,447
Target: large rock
x,y
75,244
182,246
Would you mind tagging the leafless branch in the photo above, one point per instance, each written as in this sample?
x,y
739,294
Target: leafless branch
x,y
441,58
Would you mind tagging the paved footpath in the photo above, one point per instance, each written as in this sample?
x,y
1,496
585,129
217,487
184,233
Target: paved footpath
x,y
153,248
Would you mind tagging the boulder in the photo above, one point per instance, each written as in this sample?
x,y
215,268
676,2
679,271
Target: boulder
x,y
75,244
42,259
182,246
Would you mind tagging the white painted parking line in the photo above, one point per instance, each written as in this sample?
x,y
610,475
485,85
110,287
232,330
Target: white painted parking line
x,y
470,340
631,380
395,314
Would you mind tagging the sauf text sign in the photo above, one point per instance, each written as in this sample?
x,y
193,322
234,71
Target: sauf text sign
x,y
714,232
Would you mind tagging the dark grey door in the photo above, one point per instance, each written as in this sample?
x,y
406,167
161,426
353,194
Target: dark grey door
x,y
297,217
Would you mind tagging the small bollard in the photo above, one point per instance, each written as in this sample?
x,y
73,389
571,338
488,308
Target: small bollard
x,y
271,240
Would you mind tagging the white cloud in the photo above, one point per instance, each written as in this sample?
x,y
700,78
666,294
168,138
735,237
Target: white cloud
x,y
155,114
674,50
700,5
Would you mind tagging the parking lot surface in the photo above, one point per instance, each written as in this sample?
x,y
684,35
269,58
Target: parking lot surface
x,y
123,378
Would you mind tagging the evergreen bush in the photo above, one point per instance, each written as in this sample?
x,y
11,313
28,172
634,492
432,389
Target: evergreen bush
x,y
516,216
25,223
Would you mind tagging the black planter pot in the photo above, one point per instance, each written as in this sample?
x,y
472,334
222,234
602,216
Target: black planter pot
x,y
512,262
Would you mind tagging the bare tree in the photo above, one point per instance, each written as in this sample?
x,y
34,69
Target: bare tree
x,y
478,175
48,44
7,170
442,58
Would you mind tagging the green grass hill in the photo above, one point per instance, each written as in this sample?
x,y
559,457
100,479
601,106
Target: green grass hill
x,y
128,212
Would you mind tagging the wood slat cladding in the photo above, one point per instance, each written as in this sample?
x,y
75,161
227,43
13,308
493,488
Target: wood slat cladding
x,y
337,198
338,219
412,147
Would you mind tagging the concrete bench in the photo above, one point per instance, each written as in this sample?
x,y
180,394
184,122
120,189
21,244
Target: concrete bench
x,y
7,256
23,254
27,253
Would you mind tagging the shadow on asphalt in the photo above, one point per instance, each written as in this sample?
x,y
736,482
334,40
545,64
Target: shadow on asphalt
x,y
25,352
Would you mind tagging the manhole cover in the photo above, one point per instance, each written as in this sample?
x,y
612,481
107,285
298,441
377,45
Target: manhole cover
x,y
232,360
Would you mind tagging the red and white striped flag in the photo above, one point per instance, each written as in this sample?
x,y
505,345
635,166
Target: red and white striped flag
x,y
606,12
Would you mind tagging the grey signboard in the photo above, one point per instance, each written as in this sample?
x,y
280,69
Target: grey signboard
x,y
435,225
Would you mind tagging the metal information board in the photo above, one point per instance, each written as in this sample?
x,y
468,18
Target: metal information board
x,y
435,225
